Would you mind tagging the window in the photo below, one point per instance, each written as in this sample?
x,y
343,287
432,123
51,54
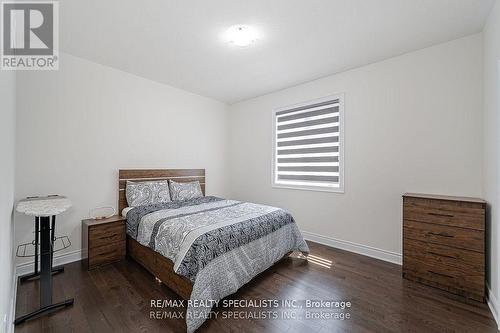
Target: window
x,y
308,145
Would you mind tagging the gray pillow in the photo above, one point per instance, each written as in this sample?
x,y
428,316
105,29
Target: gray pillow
x,y
147,193
185,191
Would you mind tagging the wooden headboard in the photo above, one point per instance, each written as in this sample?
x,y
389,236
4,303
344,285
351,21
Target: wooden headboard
x,y
178,175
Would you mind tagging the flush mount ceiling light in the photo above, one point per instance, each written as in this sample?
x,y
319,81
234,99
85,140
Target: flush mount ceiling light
x,y
241,35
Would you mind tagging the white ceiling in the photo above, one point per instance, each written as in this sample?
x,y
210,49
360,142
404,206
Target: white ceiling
x,y
178,42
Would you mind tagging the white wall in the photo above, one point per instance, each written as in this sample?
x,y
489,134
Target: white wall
x,y
491,40
77,126
412,123
7,147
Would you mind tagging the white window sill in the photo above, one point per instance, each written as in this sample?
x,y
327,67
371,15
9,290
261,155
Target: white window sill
x,y
309,188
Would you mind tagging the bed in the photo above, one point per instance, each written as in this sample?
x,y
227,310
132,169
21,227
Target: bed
x,y
193,245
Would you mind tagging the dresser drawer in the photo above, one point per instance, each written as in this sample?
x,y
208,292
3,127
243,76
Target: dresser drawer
x,y
457,214
471,283
106,254
458,260
105,234
468,239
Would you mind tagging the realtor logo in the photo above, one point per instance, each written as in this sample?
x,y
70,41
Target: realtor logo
x,y
30,35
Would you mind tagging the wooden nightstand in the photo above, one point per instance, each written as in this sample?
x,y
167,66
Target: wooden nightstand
x,y
104,240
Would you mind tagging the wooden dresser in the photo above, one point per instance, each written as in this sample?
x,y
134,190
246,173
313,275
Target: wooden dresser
x,y
444,242
104,240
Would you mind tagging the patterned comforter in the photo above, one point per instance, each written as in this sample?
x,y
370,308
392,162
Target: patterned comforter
x,y
212,240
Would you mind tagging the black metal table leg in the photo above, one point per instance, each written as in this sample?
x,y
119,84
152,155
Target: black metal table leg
x,y
36,273
44,310
37,230
45,263
46,304
35,276
52,239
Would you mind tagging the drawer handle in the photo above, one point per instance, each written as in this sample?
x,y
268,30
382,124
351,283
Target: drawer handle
x,y
445,275
443,215
110,237
441,234
107,252
441,255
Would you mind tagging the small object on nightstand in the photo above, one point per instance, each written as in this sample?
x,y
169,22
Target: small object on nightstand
x,y
104,240
98,212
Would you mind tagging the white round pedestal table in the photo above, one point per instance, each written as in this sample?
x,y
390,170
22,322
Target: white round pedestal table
x,y
44,209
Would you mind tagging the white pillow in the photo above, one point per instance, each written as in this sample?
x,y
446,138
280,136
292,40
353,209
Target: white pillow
x,y
185,191
147,193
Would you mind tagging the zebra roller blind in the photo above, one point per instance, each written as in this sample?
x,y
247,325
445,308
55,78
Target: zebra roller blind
x,y
308,146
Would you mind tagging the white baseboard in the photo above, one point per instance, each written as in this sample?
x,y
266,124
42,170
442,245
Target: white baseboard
x,y
365,250
493,304
61,259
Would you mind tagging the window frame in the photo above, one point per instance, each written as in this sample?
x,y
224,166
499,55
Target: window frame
x,y
341,188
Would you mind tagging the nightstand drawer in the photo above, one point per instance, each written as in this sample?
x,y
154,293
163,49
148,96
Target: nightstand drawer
x,y
106,254
105,234
461,238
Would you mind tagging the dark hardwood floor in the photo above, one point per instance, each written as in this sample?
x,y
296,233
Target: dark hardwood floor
x,y
116,298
